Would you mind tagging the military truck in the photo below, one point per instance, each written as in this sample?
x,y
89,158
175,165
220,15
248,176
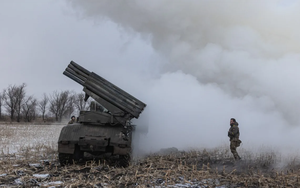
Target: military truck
x,y
106,128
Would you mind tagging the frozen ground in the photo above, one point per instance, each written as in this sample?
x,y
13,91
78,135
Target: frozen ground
x,y
16,137
29,159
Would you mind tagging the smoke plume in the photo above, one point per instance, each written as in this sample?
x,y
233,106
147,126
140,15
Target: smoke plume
x,y
218,59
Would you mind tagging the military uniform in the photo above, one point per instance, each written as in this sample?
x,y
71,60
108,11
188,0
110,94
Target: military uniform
x,y
72,120
235,142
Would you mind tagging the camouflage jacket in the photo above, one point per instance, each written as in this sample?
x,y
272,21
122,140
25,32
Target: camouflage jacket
x,y
234,132
71,122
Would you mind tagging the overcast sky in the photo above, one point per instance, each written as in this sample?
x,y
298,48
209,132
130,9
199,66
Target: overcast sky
x,y
40,38
195,64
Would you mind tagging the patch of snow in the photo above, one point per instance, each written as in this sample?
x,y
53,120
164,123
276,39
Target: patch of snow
x,y
53,183
18,181
41,175
210,181
182,185
35,165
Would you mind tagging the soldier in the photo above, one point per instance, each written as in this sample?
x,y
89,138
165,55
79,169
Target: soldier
x,y
234,135
72,120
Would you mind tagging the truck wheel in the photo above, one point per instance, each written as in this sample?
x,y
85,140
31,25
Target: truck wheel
x,y
64,158
124,161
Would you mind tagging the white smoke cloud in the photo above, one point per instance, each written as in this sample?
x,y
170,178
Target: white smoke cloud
x,y
220,59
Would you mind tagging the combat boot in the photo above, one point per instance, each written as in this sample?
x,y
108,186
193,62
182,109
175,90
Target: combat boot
x,y
237,157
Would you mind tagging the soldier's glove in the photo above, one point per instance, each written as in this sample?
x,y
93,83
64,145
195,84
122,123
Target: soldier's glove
x,y
229,134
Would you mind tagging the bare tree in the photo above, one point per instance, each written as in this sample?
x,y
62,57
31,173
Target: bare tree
x,y
80,103
13,100
55,104
43,105
70,105
29,108
61,104
10,100
1,103
20,94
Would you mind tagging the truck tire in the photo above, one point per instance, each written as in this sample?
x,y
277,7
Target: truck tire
x,y
124,161
65,159
78,154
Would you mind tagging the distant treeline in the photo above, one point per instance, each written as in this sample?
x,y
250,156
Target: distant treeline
x,y
17,105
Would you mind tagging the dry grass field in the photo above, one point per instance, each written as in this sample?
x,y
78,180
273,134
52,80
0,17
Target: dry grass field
x,y
29,159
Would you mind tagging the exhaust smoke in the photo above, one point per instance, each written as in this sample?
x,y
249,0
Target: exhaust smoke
x,y
218,60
